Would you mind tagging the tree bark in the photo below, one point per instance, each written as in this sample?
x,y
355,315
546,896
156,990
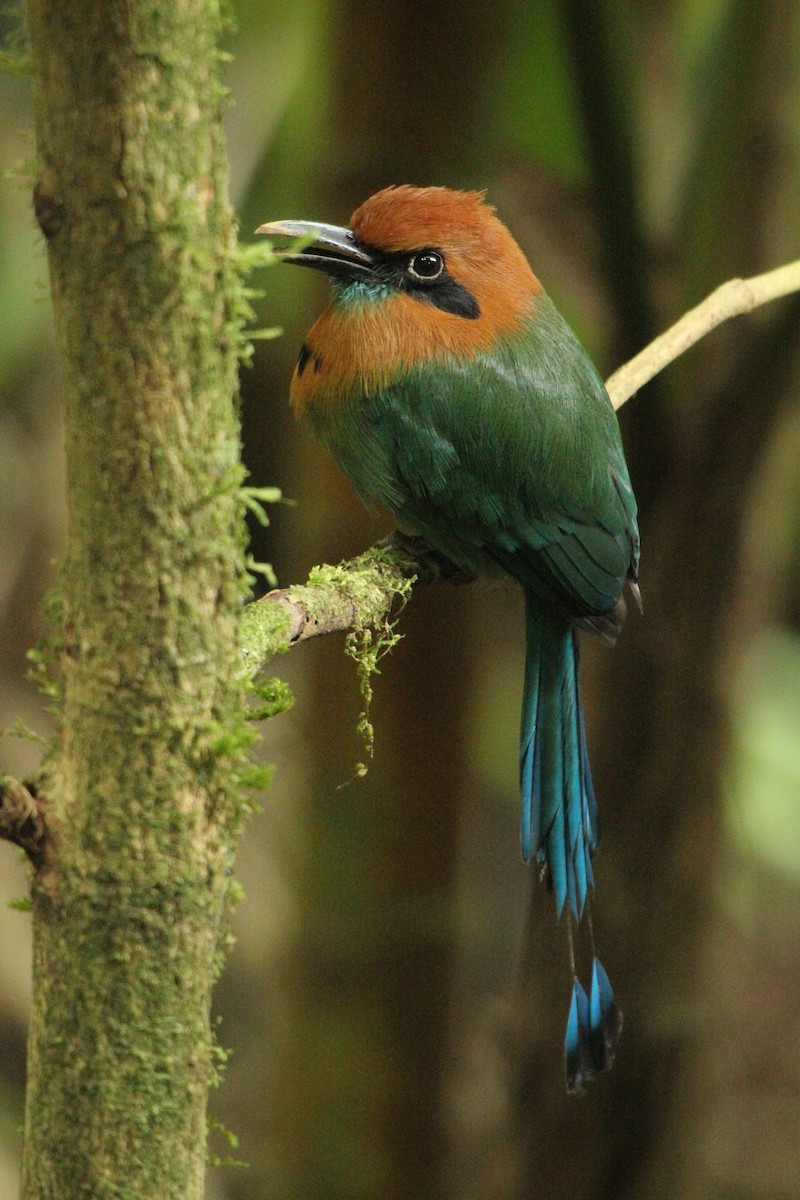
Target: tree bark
x,y
141,800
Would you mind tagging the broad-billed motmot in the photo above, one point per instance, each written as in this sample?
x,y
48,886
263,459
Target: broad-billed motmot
x,y
453,393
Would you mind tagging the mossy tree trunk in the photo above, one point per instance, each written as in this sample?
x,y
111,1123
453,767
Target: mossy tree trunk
x,y
141,800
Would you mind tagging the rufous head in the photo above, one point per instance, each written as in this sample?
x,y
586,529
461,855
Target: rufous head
x,y
444,248
420,273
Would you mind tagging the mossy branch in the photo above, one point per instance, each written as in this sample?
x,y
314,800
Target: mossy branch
x,y
362,593
355,595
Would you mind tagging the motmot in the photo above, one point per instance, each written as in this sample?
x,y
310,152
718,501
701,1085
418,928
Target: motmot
x,y
455,395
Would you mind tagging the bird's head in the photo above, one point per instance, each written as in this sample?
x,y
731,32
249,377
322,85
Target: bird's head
x,y
443,248
431,271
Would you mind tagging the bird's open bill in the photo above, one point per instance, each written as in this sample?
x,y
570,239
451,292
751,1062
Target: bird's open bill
x,y
333,249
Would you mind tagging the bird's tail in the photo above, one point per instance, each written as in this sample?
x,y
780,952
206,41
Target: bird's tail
x,y
560,823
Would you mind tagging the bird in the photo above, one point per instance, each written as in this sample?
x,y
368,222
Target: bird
x,y
454,395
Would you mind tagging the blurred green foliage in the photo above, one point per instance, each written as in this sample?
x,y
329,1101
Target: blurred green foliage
x,y
765,763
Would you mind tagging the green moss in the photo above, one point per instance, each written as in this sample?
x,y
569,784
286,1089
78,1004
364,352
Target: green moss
x,y
151,777
367,645
274,696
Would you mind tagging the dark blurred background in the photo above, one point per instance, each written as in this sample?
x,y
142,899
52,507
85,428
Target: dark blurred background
x,y
395,1000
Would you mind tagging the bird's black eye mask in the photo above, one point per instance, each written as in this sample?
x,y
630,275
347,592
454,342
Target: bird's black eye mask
x,y
423,274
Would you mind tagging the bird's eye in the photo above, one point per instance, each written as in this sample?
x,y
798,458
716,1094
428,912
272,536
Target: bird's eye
x,y
426,265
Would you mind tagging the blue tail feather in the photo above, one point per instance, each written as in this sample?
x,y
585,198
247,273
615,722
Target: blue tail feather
x,y
605,1019
577,1050
558,873
593,1028
560,825
559,811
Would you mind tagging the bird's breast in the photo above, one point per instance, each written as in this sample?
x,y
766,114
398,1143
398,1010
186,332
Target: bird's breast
x,y
358,349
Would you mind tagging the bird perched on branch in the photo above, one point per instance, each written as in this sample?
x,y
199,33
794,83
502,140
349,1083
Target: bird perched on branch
x,y
453,393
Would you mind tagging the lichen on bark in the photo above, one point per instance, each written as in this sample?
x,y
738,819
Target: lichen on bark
x,y
144,785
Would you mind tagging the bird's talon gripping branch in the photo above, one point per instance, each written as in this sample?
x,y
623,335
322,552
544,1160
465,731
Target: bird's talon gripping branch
x,y
454,395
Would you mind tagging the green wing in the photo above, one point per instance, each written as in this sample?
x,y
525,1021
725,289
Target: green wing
x,y
512,458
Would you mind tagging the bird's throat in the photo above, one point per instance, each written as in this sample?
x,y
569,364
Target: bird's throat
x,y
355,293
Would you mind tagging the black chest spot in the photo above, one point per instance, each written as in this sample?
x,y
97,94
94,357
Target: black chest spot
x,y
306,356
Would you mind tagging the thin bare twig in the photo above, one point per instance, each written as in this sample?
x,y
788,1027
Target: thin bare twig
x,y
731,299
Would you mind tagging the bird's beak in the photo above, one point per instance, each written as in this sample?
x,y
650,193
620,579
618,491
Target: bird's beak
x,y
333,249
